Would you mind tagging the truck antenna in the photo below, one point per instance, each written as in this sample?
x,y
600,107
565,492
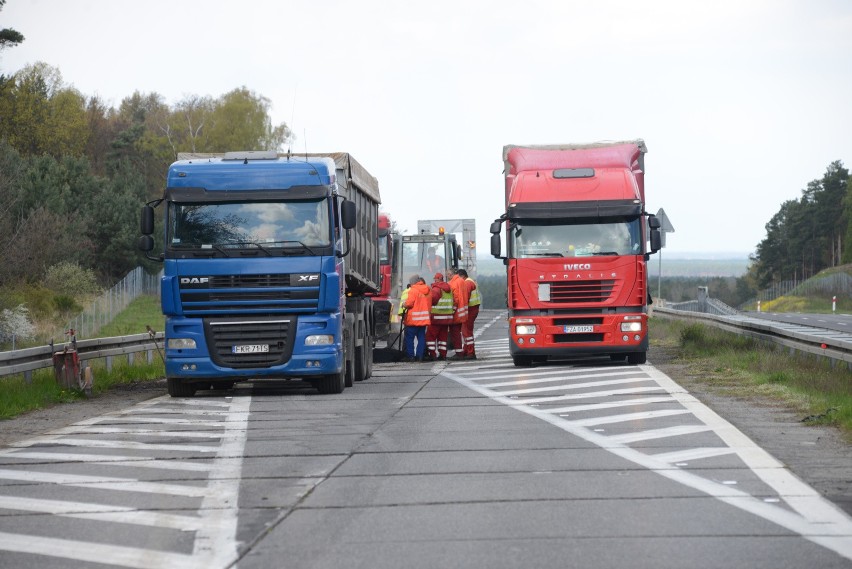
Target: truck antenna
x,y
292,121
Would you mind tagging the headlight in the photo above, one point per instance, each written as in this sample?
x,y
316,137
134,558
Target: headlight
x,y
181,344
525,329
631,326
319,340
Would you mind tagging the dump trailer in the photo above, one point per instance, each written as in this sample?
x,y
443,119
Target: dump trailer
x,y
577,250
269,261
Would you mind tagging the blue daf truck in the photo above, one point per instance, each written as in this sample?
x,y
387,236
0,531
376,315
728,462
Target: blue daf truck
x,y
269,261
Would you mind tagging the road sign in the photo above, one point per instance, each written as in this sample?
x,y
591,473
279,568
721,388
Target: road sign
x,y
665,226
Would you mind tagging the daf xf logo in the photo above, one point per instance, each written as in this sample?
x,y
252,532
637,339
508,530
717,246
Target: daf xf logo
x,y
307,278
577,267
194,280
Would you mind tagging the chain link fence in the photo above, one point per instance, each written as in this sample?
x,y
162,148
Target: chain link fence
x,y
103,310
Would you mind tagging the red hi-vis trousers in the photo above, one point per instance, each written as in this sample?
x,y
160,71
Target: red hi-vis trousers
x,y
436,335
467,330
436,340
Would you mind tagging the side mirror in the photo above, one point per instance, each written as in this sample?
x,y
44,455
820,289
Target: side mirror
x,y
146,243
348,214
656,240
496,245
147,225
653,222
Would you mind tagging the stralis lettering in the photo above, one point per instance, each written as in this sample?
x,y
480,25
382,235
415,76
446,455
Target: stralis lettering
x,y
577,267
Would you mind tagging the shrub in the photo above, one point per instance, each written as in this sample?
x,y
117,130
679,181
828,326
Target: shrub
x,y
16,322
71,279
66,305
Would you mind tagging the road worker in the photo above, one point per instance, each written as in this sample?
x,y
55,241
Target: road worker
x,y
442,317
460,298
417,302
474,300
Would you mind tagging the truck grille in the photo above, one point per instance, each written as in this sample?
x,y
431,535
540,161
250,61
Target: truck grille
x,y
227,295
581,291
223,334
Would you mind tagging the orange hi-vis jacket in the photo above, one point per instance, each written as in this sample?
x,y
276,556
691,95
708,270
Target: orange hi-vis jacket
x,y
418,303
460,295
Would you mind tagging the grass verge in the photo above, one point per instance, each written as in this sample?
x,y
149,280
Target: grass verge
x,y
739,366
17,395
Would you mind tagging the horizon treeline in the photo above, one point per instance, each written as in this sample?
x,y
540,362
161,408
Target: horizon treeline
x,y
74,171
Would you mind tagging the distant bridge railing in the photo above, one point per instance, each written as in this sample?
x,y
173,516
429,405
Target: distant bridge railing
x,y
831,344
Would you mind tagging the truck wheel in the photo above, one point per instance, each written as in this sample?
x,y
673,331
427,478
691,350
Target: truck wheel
x,y
349,361
178,388
361,363
369,363
637,358
522,361
332,383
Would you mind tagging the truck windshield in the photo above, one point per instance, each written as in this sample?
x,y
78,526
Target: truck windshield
x,y
236,225
423,259
608,237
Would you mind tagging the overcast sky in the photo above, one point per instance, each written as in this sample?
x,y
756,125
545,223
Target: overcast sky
x,y
740,102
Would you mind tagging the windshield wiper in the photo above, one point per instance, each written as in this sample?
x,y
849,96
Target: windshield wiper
x,y
543,255
311,251
605,253
258,245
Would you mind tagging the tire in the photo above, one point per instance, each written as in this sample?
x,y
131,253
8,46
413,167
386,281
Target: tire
x,y
332,383
178,388
348,361
522,361
369,363
361,358
637,358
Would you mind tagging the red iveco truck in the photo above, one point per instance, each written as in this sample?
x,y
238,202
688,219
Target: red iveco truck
x,y
577,250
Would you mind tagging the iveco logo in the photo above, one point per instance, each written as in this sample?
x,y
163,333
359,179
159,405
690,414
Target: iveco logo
x,y
194,280
577,267
307,278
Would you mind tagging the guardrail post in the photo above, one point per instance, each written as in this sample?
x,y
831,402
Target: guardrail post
x,y
130,358
150,356
28,376
108,364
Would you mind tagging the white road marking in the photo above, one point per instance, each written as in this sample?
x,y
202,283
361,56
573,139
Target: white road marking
x,y
101,512
95,552
643,416
814,518
215,526
572,386
114,460
148,432
104,483
612,404
693,454
652,434
587,395
98,443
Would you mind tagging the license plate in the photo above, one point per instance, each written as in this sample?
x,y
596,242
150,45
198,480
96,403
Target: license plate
x,y
578,329
250,348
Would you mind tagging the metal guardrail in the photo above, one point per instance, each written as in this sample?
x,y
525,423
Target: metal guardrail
x,y
27,360
831,344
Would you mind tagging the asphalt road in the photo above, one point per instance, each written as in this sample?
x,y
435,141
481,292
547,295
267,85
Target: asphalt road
x,y
838,322
474,464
